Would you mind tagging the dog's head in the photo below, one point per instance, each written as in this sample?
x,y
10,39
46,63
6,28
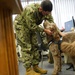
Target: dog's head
x,y
53,28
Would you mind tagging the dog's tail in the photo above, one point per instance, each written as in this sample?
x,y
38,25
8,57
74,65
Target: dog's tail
x,y
68,48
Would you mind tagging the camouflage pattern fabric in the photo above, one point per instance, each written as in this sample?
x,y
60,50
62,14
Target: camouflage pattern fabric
x,y
26,25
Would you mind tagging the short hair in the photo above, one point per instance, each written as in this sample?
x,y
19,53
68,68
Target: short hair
x,y
47,5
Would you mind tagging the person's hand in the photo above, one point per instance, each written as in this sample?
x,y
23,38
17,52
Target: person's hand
x,y
63,34
47,31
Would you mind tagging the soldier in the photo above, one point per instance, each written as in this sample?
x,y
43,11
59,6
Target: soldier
x,y
26,26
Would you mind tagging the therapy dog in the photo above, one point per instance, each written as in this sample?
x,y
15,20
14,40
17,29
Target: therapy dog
x,y
56,46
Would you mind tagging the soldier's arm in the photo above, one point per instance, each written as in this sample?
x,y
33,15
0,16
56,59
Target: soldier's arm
x,y
30,20
49,18
61,33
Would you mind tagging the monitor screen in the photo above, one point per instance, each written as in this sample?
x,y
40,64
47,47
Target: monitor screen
x,y
69,25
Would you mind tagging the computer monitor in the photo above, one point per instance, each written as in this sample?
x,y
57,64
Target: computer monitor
x,y
69,25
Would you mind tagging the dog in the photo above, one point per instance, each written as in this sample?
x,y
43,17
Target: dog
x,y
67,45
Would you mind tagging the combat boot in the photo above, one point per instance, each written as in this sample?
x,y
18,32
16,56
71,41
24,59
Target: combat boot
x,y
30,71
35,73
39,70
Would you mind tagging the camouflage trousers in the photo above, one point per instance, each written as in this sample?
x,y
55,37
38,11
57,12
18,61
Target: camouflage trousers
x,y
30,58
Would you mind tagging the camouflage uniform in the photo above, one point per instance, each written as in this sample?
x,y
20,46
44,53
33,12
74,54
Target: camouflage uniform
x,y
26,26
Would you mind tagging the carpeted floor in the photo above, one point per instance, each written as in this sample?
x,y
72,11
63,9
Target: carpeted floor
x,y
49,67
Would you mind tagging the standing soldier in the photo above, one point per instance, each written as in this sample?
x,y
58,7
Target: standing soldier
x,y
26,26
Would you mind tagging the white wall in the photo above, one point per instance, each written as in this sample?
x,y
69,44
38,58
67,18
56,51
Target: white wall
x,y
63,10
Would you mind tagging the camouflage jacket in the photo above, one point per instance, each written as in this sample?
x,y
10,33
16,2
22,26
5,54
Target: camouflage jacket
x,y
28,22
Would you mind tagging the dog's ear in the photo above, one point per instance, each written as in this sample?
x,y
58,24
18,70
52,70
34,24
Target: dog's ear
x,y
46,23
55,27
